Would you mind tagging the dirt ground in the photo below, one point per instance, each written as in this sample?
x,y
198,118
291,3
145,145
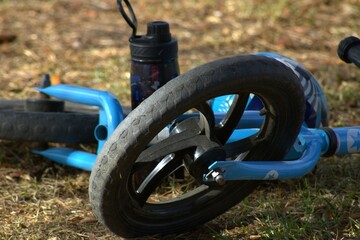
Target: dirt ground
x,y
86,43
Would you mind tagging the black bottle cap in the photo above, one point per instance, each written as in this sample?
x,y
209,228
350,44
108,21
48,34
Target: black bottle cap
x,y
157,45
159,31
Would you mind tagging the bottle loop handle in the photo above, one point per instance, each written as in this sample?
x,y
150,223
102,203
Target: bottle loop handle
x,y
131,21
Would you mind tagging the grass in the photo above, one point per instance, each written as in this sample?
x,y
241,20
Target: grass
x,y
323,205
85,43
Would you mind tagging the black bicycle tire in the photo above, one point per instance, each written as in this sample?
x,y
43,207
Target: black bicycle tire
x,y
16,124
19,104
107,191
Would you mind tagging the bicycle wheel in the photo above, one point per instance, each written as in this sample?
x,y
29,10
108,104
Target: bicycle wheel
x,y
74,125
130,177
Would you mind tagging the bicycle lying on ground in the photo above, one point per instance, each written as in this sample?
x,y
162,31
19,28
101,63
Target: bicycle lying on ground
x,y
226,126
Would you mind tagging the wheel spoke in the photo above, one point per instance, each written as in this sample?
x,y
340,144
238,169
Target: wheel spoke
x,y
229,123
163,158
164,168
207,119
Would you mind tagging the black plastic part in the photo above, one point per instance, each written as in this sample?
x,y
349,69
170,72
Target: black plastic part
x,y
205,155
333,143
349,50
45,82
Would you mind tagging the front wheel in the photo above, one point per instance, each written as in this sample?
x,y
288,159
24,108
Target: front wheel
x,y
133,190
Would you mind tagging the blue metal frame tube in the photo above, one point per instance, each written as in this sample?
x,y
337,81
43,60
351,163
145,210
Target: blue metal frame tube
x,y
269,170
110,110
348,140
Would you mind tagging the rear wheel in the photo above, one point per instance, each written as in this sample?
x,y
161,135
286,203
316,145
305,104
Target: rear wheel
x,y
75,124
132,188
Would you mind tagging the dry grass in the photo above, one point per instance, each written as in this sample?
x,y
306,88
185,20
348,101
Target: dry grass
x,y
85,43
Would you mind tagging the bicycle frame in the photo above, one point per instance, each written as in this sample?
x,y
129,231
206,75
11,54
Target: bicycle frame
x,y
110,116
311,144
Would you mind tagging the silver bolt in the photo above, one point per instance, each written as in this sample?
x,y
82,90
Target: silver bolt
x,y
219,179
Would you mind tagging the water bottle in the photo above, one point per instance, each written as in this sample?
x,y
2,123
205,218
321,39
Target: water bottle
x,y
154,61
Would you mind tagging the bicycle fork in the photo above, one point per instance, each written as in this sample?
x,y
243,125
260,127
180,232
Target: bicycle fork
x,y
310,145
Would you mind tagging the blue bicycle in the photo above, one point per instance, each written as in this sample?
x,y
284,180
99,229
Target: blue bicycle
x,y
197,146
225,127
